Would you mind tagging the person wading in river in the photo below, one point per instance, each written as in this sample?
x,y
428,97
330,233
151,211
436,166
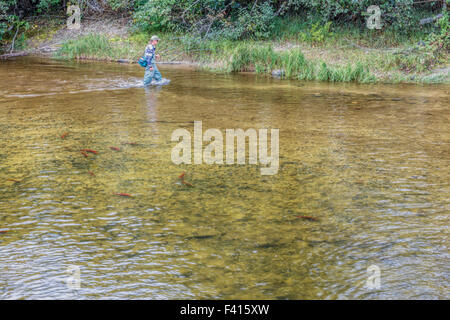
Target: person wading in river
x,y
151,71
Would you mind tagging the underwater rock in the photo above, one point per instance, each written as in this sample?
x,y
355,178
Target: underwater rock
x,y
278,73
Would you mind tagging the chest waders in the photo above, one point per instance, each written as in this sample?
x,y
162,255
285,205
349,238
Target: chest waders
x,y
151,74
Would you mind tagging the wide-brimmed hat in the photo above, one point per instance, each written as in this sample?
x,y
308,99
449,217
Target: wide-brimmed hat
x,y
154,38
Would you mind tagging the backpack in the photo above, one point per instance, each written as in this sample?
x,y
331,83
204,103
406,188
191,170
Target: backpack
x,y
142,62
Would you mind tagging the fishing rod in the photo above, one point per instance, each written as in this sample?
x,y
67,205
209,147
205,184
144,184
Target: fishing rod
x,y
179,53
182,53
168,50
188,50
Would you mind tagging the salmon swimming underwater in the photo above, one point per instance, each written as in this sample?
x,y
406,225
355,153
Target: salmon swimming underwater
x,y
90,150
122,194
308,218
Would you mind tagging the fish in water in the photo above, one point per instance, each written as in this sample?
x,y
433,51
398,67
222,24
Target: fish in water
x,y
161,82
130,143
14,180
114,148
122,194
63,136
200,237
90,150
181,176
308,218
3,231
84,154
187,183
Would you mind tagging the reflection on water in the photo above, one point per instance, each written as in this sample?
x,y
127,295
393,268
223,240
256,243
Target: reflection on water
x,y
370,162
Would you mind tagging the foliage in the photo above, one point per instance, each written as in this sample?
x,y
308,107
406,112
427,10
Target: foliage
x,y
44,6
439,42
155,15
400,14
231,19
117,5
257,23
207,18
318,33
5,17
238,19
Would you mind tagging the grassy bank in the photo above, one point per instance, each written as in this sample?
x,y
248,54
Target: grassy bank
x,y
220,56
293,51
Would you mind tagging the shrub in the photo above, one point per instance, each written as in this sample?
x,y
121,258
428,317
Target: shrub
x,y
318,33
439,42
207,18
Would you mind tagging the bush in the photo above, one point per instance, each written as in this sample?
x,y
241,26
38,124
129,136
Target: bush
x,y
399,14
207,18
232,19
241,19
256,23
318,33
155,15
439,42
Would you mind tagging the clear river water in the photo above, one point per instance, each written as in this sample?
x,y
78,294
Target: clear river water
x,y
370,164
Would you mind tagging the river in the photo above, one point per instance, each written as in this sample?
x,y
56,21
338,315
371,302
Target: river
x,y
370,164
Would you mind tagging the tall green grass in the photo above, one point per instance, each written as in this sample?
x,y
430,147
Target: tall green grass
x,y
99,47
293,65
85,47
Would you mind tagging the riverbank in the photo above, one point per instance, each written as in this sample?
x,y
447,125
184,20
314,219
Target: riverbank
x,y
337,55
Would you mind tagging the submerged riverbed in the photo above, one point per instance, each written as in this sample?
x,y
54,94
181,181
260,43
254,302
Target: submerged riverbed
x,y
370,162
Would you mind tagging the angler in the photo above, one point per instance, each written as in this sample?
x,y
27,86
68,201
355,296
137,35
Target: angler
x,y
152,75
